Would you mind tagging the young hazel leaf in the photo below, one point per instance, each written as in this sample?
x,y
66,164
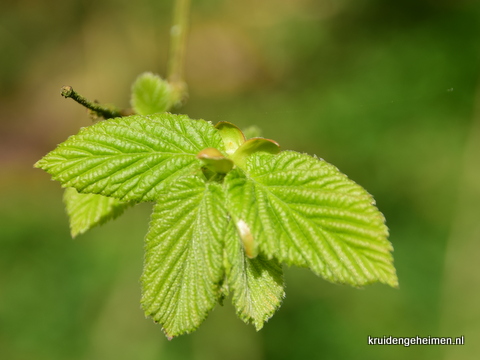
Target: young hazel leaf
x,y
151,94
303,211
232,136
184,255
131,158
251,146
89,210
215,161
257,284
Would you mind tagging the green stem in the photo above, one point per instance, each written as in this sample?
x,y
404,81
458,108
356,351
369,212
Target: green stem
x,y
97,109
178,40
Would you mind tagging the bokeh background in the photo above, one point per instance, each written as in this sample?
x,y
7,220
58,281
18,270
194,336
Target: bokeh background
x,y
388,91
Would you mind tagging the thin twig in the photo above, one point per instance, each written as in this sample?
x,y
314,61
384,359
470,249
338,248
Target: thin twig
x,y
97,109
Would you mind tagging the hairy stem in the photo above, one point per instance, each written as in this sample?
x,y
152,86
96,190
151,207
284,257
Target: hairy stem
x,y
97,109
178,39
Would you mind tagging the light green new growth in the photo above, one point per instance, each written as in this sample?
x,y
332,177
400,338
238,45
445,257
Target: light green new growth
x,y
303,211
228,212
231,135
131,158
190,241
257,284
151,94
230,208
252,146
184,255
89,210
214,161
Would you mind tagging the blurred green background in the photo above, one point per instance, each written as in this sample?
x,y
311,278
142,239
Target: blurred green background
x,y
385,90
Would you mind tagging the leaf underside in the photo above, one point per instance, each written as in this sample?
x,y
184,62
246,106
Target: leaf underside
x,y
303,211
131,158
86,211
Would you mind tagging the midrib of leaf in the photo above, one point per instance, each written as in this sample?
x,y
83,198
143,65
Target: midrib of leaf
x,y
259,186
184,255
257,284
134,161
287,228
336,248
292,241
330,214
131,158
173,260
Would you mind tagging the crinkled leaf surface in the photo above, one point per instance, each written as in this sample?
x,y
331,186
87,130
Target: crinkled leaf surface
x,y
184,255
151,94
89,210
303,211
257,284
131,158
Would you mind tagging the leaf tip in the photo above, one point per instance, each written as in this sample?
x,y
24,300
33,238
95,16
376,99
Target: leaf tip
x,y
259,325
39,164
393,282
169,337
75,232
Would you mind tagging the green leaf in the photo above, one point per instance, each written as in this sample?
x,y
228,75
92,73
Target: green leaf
x,y
255,145
257,284
131,158
89,210
215,161
232,136
303,211
184,255
151,94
